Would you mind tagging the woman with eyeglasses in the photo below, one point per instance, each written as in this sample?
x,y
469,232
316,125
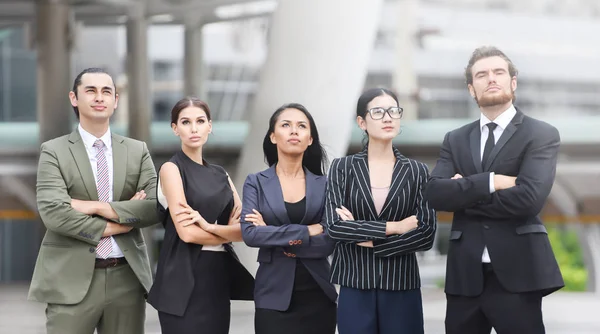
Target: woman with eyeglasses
x,y
376,212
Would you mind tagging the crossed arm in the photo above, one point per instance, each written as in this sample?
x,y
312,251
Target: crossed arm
x,y
414,233
308,241
189,224
84,220
341,226
520,195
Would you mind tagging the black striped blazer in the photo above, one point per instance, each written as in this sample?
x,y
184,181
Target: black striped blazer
x,y
391,264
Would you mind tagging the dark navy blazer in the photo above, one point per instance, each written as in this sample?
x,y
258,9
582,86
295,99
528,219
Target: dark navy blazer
x,y
282,243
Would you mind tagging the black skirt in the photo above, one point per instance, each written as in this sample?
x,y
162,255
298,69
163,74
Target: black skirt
x,y
209,308
310,310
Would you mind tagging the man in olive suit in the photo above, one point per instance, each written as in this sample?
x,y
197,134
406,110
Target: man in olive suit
x,y
95,191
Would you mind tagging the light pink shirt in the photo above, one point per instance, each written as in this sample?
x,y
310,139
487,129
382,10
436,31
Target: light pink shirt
x,y
379,196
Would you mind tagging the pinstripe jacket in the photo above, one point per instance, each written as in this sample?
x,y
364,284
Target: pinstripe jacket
x,y
391,264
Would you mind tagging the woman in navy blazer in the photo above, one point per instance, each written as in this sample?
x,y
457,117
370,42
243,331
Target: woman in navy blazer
x,y
281,214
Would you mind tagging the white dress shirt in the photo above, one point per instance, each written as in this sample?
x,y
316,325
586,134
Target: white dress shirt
x,y
503,120
88,141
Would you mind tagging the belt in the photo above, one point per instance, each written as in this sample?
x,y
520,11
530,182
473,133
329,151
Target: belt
x,y
110,262
487,267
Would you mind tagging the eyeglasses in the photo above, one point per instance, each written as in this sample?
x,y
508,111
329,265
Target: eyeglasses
x,y
379,113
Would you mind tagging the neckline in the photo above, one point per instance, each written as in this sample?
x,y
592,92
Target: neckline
x,y
203,164
300,201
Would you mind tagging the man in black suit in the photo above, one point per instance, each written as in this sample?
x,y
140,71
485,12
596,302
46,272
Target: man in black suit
x,y
495,174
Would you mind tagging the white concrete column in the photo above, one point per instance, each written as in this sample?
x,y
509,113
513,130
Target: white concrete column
x,y
318,56
193,60
139,108
404,78
54,110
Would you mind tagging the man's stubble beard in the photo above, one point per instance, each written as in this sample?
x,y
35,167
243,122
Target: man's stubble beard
x,y
490,101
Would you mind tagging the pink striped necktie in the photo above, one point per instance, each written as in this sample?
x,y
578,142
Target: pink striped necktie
x,y
104,247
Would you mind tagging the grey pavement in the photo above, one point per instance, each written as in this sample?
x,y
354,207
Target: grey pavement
x,y
564,313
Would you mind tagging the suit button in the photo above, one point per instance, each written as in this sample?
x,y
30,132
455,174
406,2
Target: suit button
x,y
92,249
486,227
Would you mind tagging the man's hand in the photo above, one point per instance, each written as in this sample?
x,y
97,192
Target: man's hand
x,y
140,195
114,229
101,208
456,177
504,182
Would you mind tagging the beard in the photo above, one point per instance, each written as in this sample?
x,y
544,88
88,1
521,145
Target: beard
x,y
496,99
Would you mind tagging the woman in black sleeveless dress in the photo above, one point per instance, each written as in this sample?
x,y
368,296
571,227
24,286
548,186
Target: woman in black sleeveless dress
x,y
198,273
281,215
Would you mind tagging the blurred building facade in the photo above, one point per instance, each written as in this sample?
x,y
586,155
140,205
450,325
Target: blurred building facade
x,y
420,50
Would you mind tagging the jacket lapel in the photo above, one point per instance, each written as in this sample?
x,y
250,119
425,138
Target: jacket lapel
x,y
314,196
475,143
510,130
399,179
119,166
361,170
271,187
82,161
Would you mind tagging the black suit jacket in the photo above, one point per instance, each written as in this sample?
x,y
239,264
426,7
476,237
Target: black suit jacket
x,y
505,221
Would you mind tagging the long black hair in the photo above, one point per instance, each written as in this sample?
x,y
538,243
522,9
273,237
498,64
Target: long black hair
x,y
315,157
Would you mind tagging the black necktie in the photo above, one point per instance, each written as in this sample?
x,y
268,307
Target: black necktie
x,y
489,143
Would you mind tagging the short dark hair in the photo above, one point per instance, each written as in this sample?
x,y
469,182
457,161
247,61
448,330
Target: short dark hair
x,y
315,157
77,82
189,101
486,52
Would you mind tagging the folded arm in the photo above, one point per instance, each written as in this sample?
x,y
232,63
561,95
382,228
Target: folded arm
x,y
447,194
269,235
419,239
319,246
232,231
533,184
347,230
172,187
142,213
54,203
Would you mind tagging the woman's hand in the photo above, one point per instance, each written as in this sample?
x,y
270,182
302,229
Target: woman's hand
x,y
344,213
255,218
234,218
188,216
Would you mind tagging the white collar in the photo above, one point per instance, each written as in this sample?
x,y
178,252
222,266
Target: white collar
x,y
89,139
502,120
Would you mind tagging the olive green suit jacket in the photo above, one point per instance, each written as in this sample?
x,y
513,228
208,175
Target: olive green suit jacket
x,y
65,263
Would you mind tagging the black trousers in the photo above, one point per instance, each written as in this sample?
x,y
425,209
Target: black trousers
x,y
209,308
506,312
